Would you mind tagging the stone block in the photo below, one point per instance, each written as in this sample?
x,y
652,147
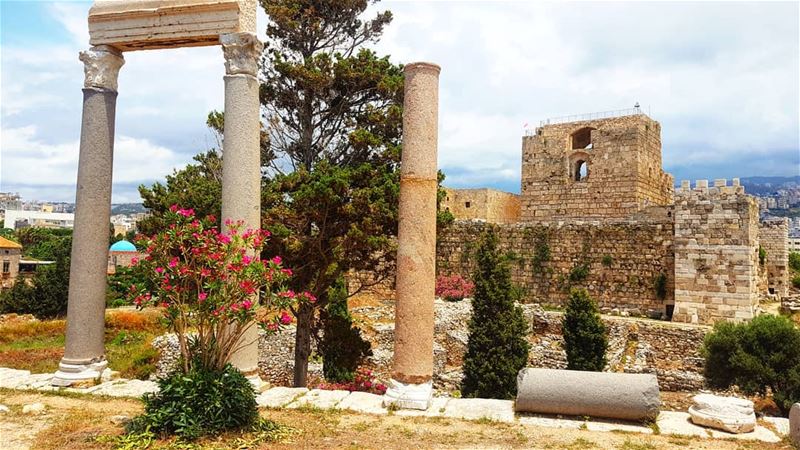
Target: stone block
x,y
279,396
597,394
731,414
363,402
480,408
319,398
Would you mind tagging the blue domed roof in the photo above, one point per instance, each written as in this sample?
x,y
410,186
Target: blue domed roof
x,y
122,246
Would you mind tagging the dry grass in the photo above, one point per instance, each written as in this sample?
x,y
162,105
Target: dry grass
x,y
39,345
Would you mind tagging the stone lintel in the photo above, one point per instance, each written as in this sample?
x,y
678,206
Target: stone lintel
x,y
151,24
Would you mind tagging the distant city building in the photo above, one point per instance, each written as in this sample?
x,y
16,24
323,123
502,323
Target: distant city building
x,y
20,219
10,200
794,243
10,255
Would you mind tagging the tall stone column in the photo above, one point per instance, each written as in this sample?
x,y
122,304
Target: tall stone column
x,y
411,385
84,352
241,159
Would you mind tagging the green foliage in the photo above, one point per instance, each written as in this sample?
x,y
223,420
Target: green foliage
x,y
342,346
796,281
762,255
607,260
756,356
197,186
660,285
579,273
497,349
794,261
43,243
585,335
200,402
46,295
121,280
541,251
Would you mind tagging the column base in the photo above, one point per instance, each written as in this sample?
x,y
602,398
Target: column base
x,y
70,374
408,395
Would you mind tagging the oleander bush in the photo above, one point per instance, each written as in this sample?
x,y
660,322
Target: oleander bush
x,y
453,287
759,357
585,335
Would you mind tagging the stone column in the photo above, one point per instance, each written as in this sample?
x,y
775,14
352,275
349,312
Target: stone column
x,y
241,159
411,384
84,352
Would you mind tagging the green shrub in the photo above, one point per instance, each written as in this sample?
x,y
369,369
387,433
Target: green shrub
x,y
762,255
46,295
585,336
579,273
342,346
497,349
607,260
200,402
794,261
796,281
757,356
660,286
541,251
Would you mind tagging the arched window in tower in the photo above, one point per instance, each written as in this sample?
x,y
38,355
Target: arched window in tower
x,y
581,170
581,139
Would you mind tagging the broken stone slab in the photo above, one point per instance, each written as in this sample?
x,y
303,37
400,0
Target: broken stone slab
x,y
126,388
624,396
551,422
436,408
363,402
731,414
605,425
679,423
781,424
480,408
794,424
319,398
33,408
279,396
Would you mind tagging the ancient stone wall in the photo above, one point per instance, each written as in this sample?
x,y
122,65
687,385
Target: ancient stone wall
x,y
621,161
620,263
773,237
716,253
483,204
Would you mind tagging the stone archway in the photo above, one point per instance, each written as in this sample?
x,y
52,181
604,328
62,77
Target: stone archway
x,y
127,25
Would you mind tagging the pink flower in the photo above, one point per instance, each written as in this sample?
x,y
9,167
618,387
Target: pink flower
x,y
247,304
173,208
159,270
186,212
134,260
224,239
286,319
202,296
246,259
205,272
277,260
173,262
287,272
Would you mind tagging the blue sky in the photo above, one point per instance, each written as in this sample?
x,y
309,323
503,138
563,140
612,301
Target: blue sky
x,y
722,78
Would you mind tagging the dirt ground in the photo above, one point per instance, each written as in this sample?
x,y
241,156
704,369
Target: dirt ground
x,y
80,422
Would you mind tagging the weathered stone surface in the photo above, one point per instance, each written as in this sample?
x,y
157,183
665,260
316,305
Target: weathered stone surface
x,y
319,398
596,394
120,419
436,409
279,396
363,402
480,408
126,388
151,24
781,424
550,422
33,408
731,414
4,409
794,424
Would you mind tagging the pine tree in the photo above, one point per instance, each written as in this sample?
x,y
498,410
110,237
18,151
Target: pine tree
x,y
497,348
585,337
342,346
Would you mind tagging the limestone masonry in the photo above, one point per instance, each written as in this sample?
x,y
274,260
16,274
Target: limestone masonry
x,y
598,212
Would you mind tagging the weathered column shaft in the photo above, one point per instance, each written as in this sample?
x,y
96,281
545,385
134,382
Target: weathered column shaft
x,y
84,353
241,160
416,239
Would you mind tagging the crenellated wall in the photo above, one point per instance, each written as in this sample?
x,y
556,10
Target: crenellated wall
x,y
716,253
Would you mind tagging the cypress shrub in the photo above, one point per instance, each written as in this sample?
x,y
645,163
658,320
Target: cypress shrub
x,y
497,349
342,346
585,337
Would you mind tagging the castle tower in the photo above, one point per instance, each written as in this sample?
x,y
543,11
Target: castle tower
x,y
596,168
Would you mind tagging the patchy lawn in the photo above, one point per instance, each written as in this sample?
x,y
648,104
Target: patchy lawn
x,y
77,421
39,345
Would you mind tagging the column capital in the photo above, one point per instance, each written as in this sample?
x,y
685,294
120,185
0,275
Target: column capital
x,y
241,51
101,66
